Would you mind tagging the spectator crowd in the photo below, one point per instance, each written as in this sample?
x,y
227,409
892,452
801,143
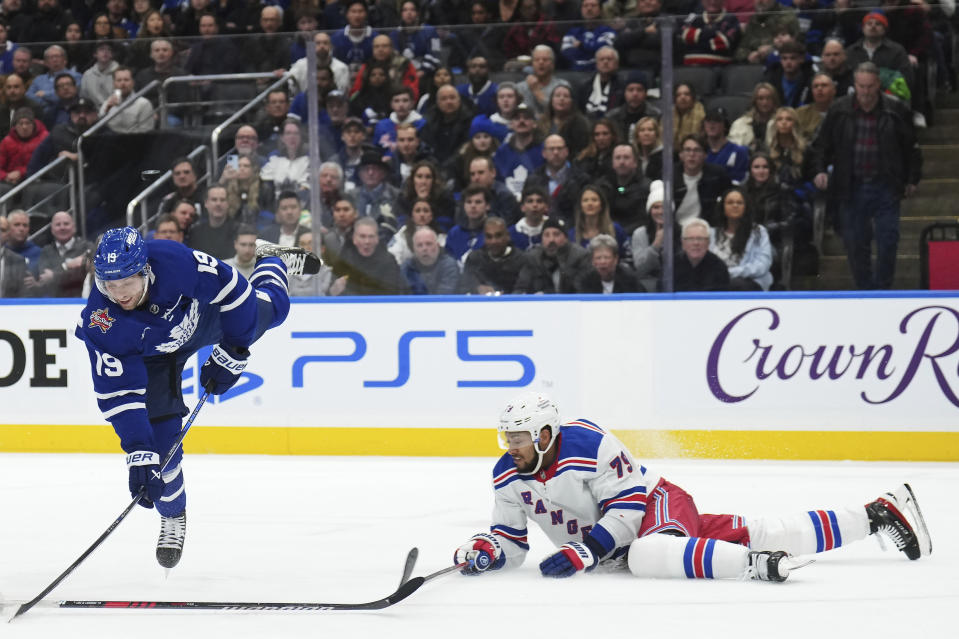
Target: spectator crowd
x,y
487,148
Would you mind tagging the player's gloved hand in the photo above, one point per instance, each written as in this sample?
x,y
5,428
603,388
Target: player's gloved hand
x,y
570,559
144,467
483,553
223,368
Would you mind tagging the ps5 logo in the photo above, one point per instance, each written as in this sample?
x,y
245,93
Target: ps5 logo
x,y
467,344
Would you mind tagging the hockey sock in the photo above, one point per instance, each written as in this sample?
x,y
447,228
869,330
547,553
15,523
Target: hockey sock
x,y
667,556
270,281
810,532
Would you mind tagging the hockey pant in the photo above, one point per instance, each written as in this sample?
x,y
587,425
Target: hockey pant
x,y
269,281
675,540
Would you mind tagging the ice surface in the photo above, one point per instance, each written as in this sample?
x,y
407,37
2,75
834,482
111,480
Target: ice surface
x,y
337,529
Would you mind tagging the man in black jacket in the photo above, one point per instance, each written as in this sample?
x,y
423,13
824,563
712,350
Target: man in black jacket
x,y
493,268
365,267
869,140
555,265
698,184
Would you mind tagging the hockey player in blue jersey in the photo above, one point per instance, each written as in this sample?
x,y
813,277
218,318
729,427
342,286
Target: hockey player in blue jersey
x,y
155,304
581,486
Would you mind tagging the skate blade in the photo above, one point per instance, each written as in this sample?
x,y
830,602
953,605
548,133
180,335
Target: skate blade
x,y
921,530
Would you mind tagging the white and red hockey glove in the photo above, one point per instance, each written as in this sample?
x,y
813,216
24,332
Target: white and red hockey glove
x,y
571,558
481,553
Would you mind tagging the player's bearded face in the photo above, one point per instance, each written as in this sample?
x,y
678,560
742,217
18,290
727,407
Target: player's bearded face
x,y
127,292
522,449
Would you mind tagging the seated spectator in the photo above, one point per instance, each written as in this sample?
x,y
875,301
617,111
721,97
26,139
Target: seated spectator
x,y
14,98
764,195
816,21
79,53
136,115
97,81
63,263
430,270
538,86
269,125
634,107
216,233
401,244
696,268
429,85
152,28
502,201
354,140
608,274
185,187
478,88
212,55
164,66
372,103
184,212
324,58
401,71
245,196
25,67
647,240
581,43
648,140
401,101
244,247
246,142
729,156
417,42
354,44
835,64
341,230
287,229
375,197
42,86
639,41
688,113
749,129
535,29
742,245
364,267
592,219
757,41
792,166
507,99
18,146
697,184
448,124
493,268
426,182
522,153
287,168
528,231
710,37
603,91
597,158
811,115
481,143
59,111
118,13
310,285
468,235
555,265
166,227
792,76
563,117
7,48
13,273
626,189
18,241
558,177
268,49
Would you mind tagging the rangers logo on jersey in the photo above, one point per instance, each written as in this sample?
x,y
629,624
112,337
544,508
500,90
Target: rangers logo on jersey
x,y
101,319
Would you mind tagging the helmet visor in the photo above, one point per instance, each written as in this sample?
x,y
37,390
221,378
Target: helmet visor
x,y
511,440
125,290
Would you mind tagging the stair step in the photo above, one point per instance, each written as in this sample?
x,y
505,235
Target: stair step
x,y
939,160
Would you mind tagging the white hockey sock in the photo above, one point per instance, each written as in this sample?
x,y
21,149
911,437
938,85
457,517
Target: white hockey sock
x,y
666,556
809,532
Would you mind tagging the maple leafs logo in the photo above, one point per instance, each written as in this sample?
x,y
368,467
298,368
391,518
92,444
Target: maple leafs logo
x,y
101,319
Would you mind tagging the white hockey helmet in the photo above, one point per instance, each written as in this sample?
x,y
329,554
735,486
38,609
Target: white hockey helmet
x,y
528,413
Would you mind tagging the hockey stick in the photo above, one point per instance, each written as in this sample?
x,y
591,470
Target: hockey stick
x,y
401,593
408,566
116,522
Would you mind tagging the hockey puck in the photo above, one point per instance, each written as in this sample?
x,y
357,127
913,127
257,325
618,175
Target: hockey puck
x,y
149,175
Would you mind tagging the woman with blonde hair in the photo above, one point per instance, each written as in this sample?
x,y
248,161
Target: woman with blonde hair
x,y
750,129
648,140
688,113
244,192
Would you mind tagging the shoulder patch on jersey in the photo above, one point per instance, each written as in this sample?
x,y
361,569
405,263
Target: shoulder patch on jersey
x,y
100,318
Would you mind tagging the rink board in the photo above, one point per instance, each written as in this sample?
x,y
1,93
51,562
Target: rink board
x,y
784,376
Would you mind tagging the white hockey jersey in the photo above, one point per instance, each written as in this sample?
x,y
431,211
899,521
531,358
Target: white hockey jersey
x,y
592,489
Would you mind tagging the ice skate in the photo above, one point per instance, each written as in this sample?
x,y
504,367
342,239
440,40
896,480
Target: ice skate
x,y
772,566
897,516
172,536
297,260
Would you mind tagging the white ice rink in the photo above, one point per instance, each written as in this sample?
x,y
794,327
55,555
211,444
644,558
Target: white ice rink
x,y
336,529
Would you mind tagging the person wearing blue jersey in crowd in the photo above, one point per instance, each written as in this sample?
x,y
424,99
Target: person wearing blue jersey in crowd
x,y
155,304
729,156
598,503
581,43
522,153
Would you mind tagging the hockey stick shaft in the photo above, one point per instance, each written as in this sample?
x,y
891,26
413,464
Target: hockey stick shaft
x,y
116,522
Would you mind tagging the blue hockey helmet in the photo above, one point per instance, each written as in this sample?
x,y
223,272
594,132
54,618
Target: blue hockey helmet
x,y
121,253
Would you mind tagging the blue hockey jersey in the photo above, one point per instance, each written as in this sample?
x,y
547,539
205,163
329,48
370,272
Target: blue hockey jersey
x,y
193,300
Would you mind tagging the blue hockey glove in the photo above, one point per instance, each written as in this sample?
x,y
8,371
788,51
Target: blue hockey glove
x,y
482,552
223,368
570,559
144,467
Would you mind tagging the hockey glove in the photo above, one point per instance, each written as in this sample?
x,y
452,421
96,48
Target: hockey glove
x,y
570,559
483,553
223,368
144,467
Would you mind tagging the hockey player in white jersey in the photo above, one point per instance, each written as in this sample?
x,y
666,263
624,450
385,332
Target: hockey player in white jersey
x,y
155,304
596,502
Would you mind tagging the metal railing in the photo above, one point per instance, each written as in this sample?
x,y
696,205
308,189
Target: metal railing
x,y
140,199
19,188
218,131
189,79
81,199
